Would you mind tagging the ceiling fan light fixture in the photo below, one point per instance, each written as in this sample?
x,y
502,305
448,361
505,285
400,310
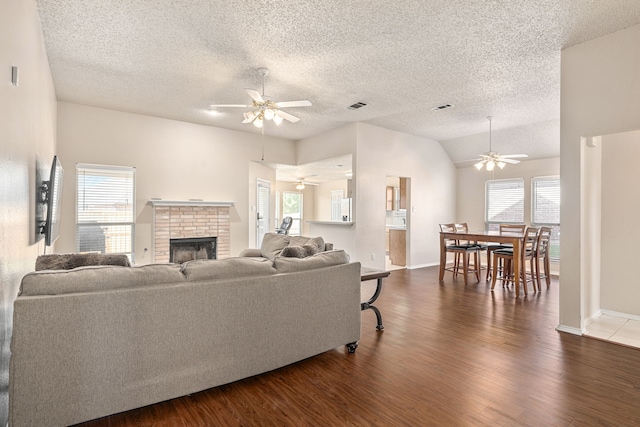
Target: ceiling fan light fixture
x,y
490,165
258,122
479,165
277,120
501,165
300,186
269,114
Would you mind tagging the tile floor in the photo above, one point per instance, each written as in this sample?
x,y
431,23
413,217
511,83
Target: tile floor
x,y
615,329
391,267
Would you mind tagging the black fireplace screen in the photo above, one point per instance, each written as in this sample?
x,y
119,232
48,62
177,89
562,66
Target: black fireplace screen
x,y
187,249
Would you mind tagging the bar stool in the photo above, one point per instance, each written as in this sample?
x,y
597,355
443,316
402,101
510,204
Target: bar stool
x,y
527,252
542,254
505,229
461,251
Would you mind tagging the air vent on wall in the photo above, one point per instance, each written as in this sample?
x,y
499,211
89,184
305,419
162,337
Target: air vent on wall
x,y
442,107
356,106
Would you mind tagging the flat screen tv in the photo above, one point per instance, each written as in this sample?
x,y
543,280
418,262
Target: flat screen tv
x,y
53,201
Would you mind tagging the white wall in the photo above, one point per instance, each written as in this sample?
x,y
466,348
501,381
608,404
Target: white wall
x,y
27,146
592,191
322,200
619,290
431,193
600,95
174,161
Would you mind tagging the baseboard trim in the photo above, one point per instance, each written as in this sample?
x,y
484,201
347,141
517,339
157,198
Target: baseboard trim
x,y
619,314
413,267
569,330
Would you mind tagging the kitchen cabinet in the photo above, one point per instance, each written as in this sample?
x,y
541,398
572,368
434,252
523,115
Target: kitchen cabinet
x,y
403,194
398,247
391,200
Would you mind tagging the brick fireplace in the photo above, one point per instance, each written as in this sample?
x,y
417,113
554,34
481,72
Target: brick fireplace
x,y
189,219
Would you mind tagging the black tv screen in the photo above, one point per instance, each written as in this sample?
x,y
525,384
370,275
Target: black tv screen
x,y
54,199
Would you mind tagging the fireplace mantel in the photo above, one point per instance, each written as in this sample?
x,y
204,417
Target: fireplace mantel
x,y
192,202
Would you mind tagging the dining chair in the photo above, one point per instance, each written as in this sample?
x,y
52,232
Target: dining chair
x,y
462,251
542,255
462,227
527,253
505,229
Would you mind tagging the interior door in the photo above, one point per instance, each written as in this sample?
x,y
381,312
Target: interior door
x,y
262,214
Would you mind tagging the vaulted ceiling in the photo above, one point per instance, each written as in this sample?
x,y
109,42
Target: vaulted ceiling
x,y
174,58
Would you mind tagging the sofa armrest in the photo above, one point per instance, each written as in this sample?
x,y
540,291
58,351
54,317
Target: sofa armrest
x,y
328,246
251,252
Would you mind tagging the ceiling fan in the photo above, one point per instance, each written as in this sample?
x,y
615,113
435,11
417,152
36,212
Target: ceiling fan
x,y
301,184
264,108
491,159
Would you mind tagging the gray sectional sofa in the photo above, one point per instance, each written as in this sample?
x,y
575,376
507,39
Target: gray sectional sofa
x,y
94,341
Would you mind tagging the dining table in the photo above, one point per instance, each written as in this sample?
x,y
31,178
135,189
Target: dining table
x,y
486,237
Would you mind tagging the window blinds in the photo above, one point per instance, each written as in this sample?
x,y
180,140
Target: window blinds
x,y
105,214
504,201
545,200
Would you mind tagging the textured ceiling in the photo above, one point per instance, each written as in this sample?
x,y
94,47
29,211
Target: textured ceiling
x,y
174,58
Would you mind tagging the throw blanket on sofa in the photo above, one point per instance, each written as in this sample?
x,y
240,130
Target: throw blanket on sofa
x,y
71,261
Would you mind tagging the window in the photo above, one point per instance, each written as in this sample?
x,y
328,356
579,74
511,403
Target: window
x,y
545,209
292,206
105,211
504,202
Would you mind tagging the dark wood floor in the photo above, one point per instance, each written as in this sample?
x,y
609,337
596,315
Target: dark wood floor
x,y
449,355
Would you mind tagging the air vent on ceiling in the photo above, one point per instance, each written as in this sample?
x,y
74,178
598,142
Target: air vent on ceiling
x,y
442,107
356,106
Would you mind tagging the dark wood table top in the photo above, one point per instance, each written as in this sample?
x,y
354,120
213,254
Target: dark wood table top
x,y
371,273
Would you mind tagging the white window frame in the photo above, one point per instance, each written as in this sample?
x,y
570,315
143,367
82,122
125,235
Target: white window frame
x,y
295,230
82,169
554,225
495,224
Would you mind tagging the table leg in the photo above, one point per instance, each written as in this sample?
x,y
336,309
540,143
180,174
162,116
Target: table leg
x,y
443,257
516,265
368,305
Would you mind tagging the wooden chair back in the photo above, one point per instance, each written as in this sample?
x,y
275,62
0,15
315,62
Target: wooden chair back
x,y
542,247
512,228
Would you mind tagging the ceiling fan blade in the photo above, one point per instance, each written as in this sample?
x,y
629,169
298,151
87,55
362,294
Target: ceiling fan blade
x,y
255,95
514,156
287,116
301,103
467,161
510,161
229,106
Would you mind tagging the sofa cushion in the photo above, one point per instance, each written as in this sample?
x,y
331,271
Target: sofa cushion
x,y
98,278
229,268
273,244
321,259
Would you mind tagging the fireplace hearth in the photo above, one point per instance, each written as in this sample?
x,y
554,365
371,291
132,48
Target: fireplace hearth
x,y
190,248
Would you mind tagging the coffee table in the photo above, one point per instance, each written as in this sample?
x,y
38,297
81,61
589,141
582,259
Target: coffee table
x,y
371,274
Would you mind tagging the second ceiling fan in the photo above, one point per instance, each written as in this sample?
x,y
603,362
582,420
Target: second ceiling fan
x,y
264,108
491,159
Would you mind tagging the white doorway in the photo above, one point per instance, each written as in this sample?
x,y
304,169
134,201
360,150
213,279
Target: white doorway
x,y
262,213
397,225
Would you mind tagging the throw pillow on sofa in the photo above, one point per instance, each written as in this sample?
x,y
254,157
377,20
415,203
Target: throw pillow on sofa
x,y
300,251
321,259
